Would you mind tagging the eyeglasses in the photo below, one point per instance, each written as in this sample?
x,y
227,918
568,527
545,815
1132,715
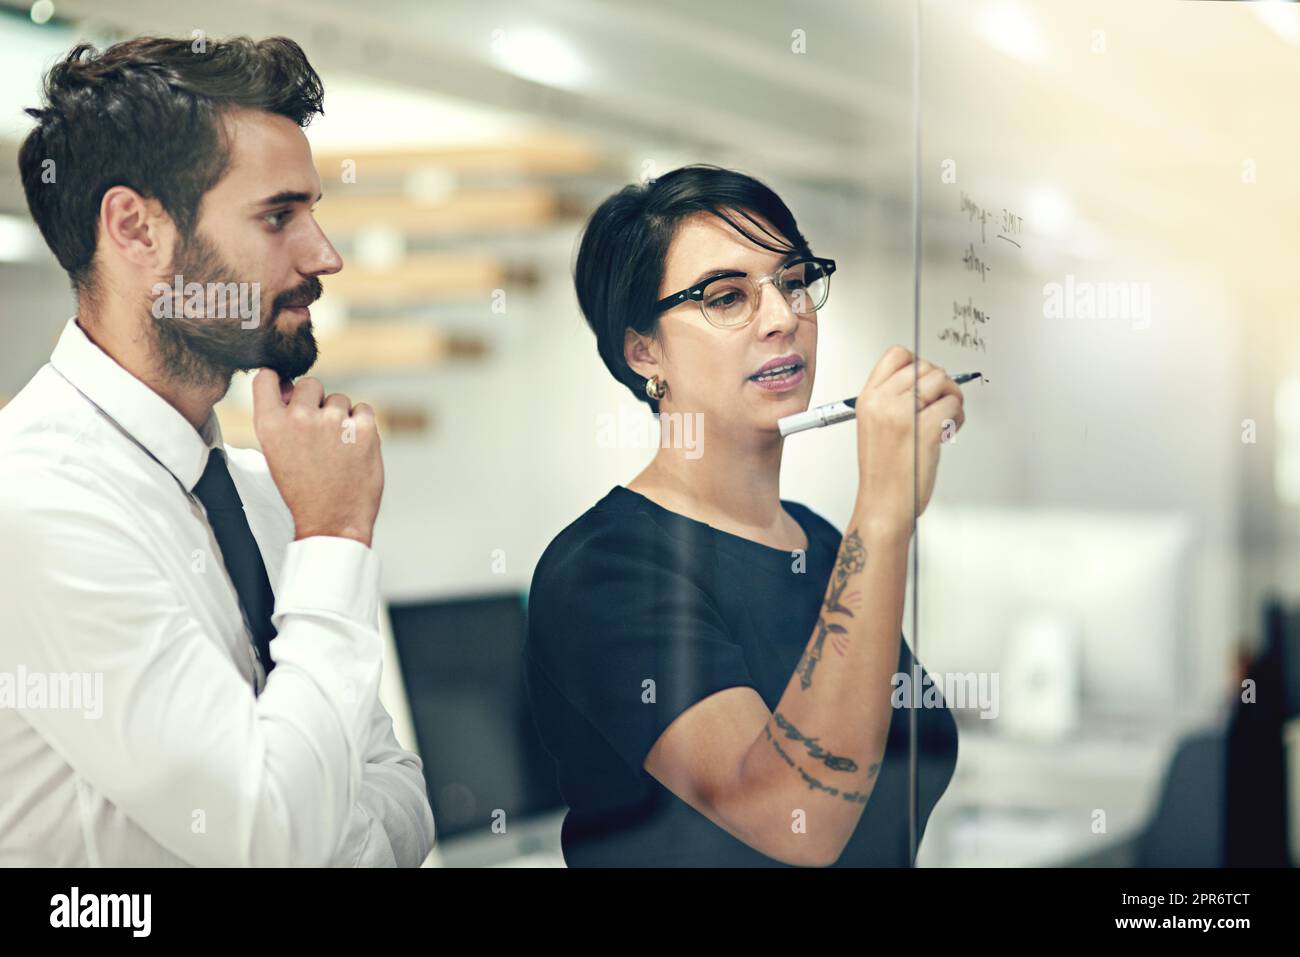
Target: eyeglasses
x,y
728,300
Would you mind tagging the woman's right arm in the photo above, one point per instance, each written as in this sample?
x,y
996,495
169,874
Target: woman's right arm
x,y
793,783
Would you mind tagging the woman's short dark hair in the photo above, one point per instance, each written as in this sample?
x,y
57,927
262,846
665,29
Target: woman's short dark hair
x,y
144,113
621,257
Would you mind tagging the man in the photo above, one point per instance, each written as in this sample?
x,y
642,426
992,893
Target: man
x,y
166,704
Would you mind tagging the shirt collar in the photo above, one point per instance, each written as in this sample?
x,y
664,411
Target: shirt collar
x,y
149,418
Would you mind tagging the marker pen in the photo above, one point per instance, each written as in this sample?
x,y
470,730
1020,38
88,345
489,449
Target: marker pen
x,y
840,411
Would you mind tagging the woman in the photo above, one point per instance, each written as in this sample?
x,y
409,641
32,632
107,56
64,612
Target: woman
x,y
710,665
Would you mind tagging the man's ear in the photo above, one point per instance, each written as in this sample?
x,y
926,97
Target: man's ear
x,y
135,230
639,352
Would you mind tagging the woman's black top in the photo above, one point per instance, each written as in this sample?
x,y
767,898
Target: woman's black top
x,y
635,614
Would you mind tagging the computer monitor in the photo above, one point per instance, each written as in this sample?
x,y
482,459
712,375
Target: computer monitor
x,y
462,666
1117,579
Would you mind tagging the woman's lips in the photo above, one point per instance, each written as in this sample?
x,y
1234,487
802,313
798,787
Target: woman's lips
x,y
782,384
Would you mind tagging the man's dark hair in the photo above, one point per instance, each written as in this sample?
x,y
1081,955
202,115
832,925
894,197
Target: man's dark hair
x,y
147,113
621,257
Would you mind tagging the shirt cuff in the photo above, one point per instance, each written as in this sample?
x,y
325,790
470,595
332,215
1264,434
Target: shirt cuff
x,y
330,575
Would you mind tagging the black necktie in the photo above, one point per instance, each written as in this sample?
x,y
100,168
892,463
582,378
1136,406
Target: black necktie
x,y
239,551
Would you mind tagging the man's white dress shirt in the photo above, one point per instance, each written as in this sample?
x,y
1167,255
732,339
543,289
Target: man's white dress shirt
x,y
136,726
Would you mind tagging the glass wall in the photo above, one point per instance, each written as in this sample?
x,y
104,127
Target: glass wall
x,y
1098,198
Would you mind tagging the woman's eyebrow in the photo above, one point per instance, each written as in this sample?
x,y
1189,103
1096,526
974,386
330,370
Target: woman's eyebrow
x,y
715,273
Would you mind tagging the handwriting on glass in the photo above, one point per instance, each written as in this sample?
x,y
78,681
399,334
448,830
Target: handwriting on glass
x,y
966,324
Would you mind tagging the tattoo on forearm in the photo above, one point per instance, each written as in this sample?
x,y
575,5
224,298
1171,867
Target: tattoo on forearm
x,y
767,730
853,797
832,761
815,785
852,559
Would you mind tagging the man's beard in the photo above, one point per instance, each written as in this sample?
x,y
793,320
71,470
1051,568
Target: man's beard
x,y
204,351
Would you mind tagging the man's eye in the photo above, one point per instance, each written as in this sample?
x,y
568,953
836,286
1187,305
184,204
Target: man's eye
x,y
277,219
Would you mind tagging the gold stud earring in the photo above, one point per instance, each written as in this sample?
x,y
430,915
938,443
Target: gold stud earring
x,y
655,389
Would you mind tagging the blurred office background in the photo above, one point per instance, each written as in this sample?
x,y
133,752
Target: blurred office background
x,y
1114,532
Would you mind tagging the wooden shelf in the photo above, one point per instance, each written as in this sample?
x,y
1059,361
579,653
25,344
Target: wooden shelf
x,y
420,276
390,345
464,212
538,155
